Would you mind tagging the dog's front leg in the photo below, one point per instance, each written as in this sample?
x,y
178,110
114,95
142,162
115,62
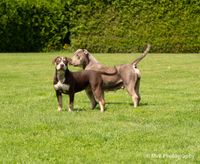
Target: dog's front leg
x,y
59,98
71,102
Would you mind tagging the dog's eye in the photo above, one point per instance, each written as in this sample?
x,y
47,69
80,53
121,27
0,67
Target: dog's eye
x,y
58,60
64,60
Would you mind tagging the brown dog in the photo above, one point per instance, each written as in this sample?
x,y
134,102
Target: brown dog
x,y
71,82
128,75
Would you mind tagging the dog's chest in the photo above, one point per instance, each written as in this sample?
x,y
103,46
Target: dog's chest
x,y
61,86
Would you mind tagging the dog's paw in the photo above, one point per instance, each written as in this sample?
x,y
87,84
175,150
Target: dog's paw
x,y
59,109
70,110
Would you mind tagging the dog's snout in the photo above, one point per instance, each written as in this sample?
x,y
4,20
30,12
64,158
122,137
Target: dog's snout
x,y
71,63
74,63
62,65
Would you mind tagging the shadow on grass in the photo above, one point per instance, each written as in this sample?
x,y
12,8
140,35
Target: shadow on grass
x,y
97,108
79,110
123,103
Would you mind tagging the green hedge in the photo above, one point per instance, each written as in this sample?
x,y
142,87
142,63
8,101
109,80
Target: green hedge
x,y
127,25
32,25
100,25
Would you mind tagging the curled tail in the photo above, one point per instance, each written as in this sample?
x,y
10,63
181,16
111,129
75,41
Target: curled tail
x,y
136,61
108,71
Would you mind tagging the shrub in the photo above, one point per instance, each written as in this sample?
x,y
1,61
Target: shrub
x,y
126,26
32,25
100,26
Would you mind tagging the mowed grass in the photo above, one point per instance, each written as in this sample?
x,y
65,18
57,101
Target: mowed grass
x,y
164,129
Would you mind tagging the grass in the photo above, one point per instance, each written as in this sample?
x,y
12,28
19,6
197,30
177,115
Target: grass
x,y
164,129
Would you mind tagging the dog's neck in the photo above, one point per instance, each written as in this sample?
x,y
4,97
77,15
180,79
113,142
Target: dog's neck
x,y
89,60
61,75
85,63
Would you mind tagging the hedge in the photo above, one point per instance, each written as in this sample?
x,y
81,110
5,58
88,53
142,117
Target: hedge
x,y
127,25
100,25
32,25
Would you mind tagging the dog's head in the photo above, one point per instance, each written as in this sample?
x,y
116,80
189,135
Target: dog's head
x,y
61,63
80,57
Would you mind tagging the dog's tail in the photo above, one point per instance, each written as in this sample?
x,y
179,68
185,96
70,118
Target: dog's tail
x,y
108,71
136,61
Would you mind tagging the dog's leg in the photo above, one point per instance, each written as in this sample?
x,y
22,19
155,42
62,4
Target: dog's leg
x,y
137,89
99,96
135,100
71,102
133,92
131,82
102,102
102,105
59,99
91,97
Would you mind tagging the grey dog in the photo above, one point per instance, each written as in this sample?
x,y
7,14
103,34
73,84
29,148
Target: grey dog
x,y
128,75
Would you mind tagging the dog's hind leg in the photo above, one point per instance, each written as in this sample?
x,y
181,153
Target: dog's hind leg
x,y
132,83
91,97
137,89
102,105
135,100
71,102
133,91
99,96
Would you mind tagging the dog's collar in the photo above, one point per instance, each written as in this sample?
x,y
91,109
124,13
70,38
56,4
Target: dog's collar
x,y
86,62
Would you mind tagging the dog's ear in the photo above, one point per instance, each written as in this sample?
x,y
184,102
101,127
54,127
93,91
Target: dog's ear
x,y
54,60
85,52
69,60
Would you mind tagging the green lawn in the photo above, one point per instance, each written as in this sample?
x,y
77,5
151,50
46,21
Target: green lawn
x,y
164,129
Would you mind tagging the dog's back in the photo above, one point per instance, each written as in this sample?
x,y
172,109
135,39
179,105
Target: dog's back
x,y
85,78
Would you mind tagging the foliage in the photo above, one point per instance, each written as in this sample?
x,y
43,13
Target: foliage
x,y
126,26
100,26
32,25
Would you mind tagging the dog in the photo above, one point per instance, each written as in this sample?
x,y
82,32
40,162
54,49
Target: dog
x,y
128,75
66,82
